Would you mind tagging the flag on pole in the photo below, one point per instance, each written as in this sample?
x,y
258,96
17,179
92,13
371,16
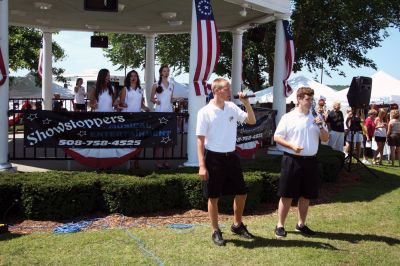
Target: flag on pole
x,y
205,38
3,70
40,65
289,57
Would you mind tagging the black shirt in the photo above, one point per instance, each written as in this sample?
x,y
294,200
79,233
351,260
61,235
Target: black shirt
x,y
336,121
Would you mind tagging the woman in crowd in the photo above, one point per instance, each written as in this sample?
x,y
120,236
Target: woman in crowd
x,y
355,135
161,96
393,134
79,96
102,97
380,135
132,99
369,124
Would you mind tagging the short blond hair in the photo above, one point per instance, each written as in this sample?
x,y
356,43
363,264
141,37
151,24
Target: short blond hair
x,y
219,83
394,114
372,112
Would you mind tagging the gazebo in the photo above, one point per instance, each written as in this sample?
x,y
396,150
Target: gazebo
x,y
149,18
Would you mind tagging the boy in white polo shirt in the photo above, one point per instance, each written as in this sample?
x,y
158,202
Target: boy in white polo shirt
x,y
219,166
297,135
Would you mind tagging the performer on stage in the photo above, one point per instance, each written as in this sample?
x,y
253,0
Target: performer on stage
x,y
79,96
131,96
219,166
297,135
102,98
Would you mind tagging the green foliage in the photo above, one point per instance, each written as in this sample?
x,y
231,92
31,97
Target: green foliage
x,y
24,49
61,195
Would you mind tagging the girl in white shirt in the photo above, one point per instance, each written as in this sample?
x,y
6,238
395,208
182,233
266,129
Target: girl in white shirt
x,y
102,98
79,96
161,95
131,97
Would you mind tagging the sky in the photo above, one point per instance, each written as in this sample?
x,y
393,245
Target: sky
x,y
81,58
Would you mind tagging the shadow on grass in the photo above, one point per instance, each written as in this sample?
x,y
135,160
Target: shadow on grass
x,y
260,242
370,187
9,236
355,238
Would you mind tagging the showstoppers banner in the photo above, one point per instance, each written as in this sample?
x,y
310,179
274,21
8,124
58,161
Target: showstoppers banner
x,y
99,130
262,130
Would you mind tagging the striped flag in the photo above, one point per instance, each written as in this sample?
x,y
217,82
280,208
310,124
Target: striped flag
x,y
289,57
205,38
3,70
40,65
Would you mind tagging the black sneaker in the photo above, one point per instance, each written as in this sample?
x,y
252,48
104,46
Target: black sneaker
x,y
280,232
304,230
217,238
242,231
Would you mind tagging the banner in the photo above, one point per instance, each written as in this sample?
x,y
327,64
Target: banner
x,y
262,130
99,130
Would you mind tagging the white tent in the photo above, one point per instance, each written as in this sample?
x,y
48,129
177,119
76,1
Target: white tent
x,y
266,95
385,89
25,87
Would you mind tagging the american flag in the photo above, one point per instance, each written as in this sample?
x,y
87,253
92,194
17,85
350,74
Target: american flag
x,y
205,38
3,70
289,57
40,65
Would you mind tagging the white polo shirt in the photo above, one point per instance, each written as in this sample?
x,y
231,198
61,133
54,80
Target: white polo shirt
x,y
219,126
300,129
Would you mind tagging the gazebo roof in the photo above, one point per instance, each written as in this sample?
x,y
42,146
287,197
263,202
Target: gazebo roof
x,y
139,16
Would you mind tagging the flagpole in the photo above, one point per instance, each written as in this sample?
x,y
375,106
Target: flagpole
x,y
4,88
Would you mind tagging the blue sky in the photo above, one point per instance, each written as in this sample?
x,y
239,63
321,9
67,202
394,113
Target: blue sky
x,y
82,58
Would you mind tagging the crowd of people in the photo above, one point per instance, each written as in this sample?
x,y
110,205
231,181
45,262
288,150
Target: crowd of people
x,y
357,130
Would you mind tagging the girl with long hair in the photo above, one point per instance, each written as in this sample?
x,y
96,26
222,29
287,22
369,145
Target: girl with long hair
x,y
161,95
79,96
131,96
380,135
102,96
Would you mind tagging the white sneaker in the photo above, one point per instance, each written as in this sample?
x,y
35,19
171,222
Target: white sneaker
x,y
366,162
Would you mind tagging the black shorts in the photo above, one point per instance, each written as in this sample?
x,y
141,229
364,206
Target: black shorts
x,y
225,176
299,177
380,139
394,140
80,106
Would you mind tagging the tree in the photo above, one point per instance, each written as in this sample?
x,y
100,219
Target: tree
x,y
24,49
326,32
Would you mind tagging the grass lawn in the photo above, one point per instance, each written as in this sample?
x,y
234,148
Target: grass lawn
x,y
359,226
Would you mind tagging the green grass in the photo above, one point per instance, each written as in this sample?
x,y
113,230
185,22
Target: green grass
x,y
359,226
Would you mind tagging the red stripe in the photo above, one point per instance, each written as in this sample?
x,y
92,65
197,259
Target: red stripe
x,y
2,69
102,162
199,58
209,55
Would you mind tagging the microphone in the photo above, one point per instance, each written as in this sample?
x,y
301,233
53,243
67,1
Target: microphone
x,y
245,96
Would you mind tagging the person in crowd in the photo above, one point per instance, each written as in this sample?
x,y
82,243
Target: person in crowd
x,y
346,131
102,98
297,135
321,107
335,122
354,136
79,96
131,98
219,165
393,134
161,95
58,104
369,123
380,135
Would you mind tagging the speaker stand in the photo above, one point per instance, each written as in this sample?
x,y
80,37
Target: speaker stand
x,y
349,158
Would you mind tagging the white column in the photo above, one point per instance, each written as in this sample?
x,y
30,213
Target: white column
x,y
47,77
195,104
4,89
279,103
237,61
149,67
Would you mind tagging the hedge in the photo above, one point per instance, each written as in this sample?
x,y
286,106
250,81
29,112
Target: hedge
x,y
65,195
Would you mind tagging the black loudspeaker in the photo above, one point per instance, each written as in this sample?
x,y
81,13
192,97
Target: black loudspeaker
x,y
101,5
257,34
99,41
359,93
